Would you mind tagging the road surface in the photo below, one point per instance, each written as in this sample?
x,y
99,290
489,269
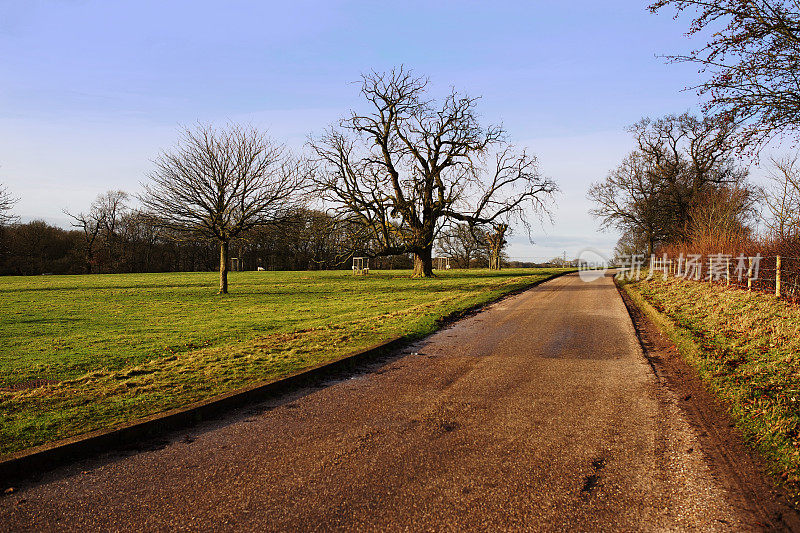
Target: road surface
x,y
539,413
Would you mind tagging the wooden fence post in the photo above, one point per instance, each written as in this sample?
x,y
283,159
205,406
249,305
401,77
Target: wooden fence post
x,y
749,273
778,276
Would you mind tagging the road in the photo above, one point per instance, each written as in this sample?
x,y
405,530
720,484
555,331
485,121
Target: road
x,y
539,413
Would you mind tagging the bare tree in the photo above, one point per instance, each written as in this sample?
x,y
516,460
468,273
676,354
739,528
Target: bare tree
x,y
101,222
7,202
651,196
90,225
688,155
628,200
220,183
782,199
751,59
630,243
495,243
410,165
459,244
112,206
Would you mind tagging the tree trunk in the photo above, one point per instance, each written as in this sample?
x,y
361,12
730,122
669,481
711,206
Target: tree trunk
x,y
494,263
89,260
223,267
494,257
423,264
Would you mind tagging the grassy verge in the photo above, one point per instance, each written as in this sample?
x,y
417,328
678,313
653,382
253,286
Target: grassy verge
x,y
113,348
746,346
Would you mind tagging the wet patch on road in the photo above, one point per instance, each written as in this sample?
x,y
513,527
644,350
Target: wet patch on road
x,y
592,480
448,425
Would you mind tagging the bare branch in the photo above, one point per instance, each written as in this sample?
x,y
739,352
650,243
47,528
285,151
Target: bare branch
x,y
750,60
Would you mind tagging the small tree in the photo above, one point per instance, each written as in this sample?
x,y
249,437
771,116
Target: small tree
x,y
101,222
722,218
7,202
220,183
113,206
90,225
782,199
409,166
495,244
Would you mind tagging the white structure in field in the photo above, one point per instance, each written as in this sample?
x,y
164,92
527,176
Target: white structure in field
x,y
360,266
442,263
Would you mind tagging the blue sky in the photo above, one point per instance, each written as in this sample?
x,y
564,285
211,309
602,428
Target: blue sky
x,y
92,90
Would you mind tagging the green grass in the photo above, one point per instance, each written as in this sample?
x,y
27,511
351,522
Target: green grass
x,y
746,346
119,347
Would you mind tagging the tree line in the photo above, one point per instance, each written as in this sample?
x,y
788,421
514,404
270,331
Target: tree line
x,y
304,240
390,180
127,240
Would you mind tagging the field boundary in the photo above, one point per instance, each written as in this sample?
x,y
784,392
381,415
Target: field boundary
x,y
742,469
24,463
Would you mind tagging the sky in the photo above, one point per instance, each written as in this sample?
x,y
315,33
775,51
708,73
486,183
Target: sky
x,y
92,91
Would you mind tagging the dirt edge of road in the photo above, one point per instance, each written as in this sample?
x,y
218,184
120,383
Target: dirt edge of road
x,y
739,468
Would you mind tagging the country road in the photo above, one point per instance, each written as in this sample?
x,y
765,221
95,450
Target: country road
x,y
539,413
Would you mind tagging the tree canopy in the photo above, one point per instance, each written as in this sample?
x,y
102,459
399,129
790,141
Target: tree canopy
x,y
682,172
750,60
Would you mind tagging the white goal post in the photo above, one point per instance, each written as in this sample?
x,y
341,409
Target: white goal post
x,y
360,266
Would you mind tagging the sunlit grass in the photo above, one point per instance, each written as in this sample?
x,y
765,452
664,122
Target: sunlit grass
x,y
118,347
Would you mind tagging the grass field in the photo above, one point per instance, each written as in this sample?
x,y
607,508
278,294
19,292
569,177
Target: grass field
x,y
117,347
746,346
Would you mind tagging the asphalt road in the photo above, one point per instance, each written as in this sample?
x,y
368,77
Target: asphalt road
x,y
539,413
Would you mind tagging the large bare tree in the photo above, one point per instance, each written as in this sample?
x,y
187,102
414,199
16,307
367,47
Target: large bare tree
x,y
408,164
750,59
688,155
221,182
651,196
628,200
